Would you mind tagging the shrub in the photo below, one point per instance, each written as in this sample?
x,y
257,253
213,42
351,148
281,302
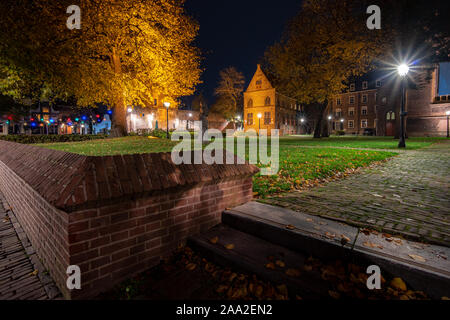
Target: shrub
x,y
53,138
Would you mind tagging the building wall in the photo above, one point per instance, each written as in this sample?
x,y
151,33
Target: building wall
x,y
261,98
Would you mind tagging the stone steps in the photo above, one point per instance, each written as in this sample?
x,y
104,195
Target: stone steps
x,y
258,229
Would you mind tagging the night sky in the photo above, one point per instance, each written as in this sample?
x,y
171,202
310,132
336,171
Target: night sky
x,y
236,33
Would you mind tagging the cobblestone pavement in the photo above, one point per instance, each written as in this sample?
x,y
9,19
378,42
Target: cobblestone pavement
x,y
22,276
408,195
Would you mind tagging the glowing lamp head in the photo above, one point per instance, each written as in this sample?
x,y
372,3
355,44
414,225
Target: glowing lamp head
x,y
342,120
329,117
259,115
447,112
167,104
130,110
238,117
302,120
402,70
190,114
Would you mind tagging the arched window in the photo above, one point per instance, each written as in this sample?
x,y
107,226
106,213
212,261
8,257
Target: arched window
x,y
390,115
250,103
267,102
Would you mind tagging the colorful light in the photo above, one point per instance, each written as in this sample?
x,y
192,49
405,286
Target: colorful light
x,y
109,111
77,119
83,117
97,115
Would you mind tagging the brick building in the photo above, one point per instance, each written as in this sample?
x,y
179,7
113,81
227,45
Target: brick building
x,y
371,104
355,111
266,108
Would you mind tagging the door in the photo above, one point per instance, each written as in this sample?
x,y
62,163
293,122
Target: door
x,y
390,124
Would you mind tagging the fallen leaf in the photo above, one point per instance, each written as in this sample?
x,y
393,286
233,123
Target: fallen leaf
x,y
417,257
398,284
307,267
34,273
334,294
292,272
309,219
214,240
229,246
191,266
270,265
290,227
372,245
280,263
329,235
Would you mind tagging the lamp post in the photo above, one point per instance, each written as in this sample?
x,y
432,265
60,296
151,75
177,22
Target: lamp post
x,y
402,71
448,116
302,121
167,105
259,120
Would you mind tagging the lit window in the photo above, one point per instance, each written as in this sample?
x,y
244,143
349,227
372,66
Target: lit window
x,y
250,118
364,123
384,100
365,85
338,112
351,111
250,104
364,111
352,87
266,117
267,101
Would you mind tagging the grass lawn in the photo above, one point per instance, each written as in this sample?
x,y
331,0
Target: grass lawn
x,y
299,167
360,142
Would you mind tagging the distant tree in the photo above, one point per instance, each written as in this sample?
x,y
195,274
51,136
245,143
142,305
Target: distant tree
x,y
229,92
325,44
126,52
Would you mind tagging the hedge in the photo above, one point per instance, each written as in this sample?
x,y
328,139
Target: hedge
x,y
53,138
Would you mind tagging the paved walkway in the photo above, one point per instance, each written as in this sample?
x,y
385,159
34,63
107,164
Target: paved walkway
x,y
22,276
409,195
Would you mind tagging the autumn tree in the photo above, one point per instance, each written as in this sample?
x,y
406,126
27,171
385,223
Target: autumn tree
x,y
326,43
229,92
127,52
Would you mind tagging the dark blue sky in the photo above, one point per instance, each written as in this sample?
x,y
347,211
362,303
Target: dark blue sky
x,y
236,33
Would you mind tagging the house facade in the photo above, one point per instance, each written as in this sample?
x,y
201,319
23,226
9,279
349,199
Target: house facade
x,y
266,108
371,104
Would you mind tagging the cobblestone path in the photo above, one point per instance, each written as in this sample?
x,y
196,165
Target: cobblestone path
x,y
22,276
408,195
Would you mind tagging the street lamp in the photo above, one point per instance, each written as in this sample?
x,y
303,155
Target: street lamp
x,y
329,124
448,116
167,105
259,119
402,72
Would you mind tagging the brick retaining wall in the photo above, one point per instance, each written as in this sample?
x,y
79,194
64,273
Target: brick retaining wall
x,y
113,216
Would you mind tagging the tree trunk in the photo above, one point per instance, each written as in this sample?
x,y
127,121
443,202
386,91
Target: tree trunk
x,y
119,119
318,128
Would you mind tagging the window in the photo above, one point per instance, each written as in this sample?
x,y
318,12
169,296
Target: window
x,y
384,100
267,101
266,117
364,123
338,112
258,84
352,100
364,98
364,111
250,118
351,111
352,87
378,83
365,85
390,115
338,101
444,79
250,104
351,124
